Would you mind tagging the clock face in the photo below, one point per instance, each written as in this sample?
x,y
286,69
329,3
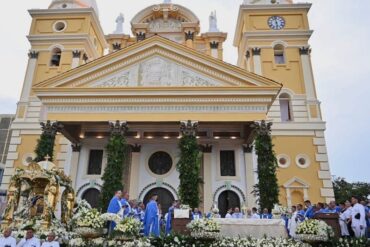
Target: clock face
x,y
276,22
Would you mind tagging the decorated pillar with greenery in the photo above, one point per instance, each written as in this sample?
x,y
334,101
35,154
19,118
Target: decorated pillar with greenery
x,y
45,145
116,150
189,165
267,188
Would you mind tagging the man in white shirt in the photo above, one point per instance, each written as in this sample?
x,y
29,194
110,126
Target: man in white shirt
x,y
29,240
358,218
50,242
255,214
344,217
7,240
237,214
229,214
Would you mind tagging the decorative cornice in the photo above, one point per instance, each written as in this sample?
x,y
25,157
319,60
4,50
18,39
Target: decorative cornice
x,y
256,51
140,36
189,128
304,51
76,54
116,46
156,109
206,148
135,148
118,128
214,45
33,54
189,35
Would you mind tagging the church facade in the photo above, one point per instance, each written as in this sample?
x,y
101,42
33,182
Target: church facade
x,y
165,73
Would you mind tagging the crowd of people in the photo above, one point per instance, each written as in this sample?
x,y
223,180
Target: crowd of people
x,y
354,216
28,241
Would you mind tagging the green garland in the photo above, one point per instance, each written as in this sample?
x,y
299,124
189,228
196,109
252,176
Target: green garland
x,y
267,188
46,142
112,177
189,171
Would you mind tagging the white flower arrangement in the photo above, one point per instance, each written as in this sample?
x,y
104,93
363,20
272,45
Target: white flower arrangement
x,y
135,243
129,227
77,242
314,230
91,219
204,228
111,217
268,242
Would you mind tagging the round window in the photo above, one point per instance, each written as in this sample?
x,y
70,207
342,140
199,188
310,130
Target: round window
x,y
283,160
302,161
160,163
60,26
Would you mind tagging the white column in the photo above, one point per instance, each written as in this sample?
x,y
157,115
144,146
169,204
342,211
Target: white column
x,y
214,49
247,60
207,166
76,148
305,194
134,174
30,72
288,197
76,55
249,176
307,73
257,60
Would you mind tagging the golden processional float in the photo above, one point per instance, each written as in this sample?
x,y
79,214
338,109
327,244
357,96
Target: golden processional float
x,y
34,192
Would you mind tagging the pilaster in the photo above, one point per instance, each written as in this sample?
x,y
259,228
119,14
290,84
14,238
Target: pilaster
x,y
256,52
207,168
134,171
249,175
76,56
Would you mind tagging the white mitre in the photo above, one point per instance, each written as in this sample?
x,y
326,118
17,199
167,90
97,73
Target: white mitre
x,y
268,1
73,4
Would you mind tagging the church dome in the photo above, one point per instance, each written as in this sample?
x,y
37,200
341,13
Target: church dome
x,y
73,4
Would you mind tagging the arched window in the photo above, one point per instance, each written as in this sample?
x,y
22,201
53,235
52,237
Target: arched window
x,y
285,108
279,54
56,55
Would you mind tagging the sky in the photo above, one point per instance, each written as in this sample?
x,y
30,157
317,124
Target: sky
x,y
340,57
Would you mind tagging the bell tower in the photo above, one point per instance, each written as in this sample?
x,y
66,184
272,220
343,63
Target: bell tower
x,y
62,37
272,39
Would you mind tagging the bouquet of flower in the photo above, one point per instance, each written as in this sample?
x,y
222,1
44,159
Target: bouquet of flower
x,y
111,217
91,219
204,228
314,231
129,227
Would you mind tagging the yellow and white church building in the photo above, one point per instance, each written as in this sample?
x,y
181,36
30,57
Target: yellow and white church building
x,y
168,71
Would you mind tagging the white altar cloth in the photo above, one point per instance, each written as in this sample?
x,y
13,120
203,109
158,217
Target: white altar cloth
x,y
252,228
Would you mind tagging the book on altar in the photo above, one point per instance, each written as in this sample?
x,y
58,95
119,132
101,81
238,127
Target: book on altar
x,y
181,213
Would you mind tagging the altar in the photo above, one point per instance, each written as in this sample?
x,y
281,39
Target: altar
x,y
256,228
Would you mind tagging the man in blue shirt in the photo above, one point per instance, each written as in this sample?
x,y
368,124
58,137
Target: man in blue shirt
x,y
265,214
237,214
171,210
114,207
331,209
309,210
151,222
126,204
196,214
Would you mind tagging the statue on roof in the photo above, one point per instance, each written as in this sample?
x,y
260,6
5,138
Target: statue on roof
x,y
213,22
119,24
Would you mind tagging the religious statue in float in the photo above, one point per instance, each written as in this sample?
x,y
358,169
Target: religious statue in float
x,y
34,192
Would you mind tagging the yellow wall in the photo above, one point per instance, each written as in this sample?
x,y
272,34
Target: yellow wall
x,y
293,146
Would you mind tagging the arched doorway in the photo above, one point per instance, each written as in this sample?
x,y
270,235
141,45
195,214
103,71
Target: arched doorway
x,y
92,197
165,198
227,199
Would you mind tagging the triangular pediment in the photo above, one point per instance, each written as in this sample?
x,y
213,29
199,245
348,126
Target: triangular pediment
x,y
296,183
156,62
